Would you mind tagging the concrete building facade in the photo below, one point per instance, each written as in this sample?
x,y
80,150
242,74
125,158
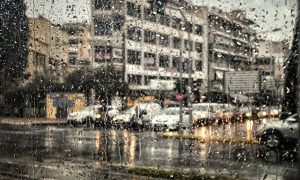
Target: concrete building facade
x,y
48,48
148,48
79,47
269,61
230,43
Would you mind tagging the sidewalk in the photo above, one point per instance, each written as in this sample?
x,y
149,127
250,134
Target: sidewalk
x,y
32,121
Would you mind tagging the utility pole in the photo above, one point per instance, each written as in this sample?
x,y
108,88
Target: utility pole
x,y
182,12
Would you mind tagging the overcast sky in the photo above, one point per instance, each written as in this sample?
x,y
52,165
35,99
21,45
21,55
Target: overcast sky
x,y
267,14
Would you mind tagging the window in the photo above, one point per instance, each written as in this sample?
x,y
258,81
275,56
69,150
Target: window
x,y
118,22
149,37
134,33
163,61
103,27
198,47
164,40
176,23
148,15
198,65
176,42
103,4
133,10
164,20
134,79
147,79
164,78
73,41
188,45
133,57
102,53
188,27
198,29
39,59
185,66
175,63
72,60
149,59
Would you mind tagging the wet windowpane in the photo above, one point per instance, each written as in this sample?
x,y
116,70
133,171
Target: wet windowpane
x,y
149,89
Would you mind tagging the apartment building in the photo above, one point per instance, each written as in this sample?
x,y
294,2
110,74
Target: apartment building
x,y
230,43
79,48
269,61
148,48
47,45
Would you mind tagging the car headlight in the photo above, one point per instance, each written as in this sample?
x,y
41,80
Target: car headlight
x,y
195,117
248,114
203,115
263,113
98,116
274,112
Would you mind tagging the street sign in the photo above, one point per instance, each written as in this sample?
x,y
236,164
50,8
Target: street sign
x,y
245,81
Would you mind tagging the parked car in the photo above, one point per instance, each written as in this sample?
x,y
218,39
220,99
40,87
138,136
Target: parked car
x,y
148,111
207,113
249,111
280,133
91,115
112,111
169,119
229,114
124,117
138,115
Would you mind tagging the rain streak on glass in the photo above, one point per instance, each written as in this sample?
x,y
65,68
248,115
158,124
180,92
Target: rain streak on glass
x,y
138,89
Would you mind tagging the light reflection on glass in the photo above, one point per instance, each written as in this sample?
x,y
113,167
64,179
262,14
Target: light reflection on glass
x,y
170,149
48,142
203,151
113,139
249,127
132,149
98,141
126,142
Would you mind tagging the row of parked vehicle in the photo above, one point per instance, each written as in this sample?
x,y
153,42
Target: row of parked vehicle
x,y
152,115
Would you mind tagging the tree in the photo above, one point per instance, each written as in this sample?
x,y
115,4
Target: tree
x,y
290,99
13,39
106,82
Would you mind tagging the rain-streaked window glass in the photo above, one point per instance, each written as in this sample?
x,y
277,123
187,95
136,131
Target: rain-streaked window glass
x,y
134,33
149,37
134,57
103,27
188,45
198,47
176,42
164,40
118,22
149,89
148,15
103,4
198,30
164,20
163,60
134,10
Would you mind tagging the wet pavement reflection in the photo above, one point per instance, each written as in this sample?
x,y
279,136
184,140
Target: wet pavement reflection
x,y
139,148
